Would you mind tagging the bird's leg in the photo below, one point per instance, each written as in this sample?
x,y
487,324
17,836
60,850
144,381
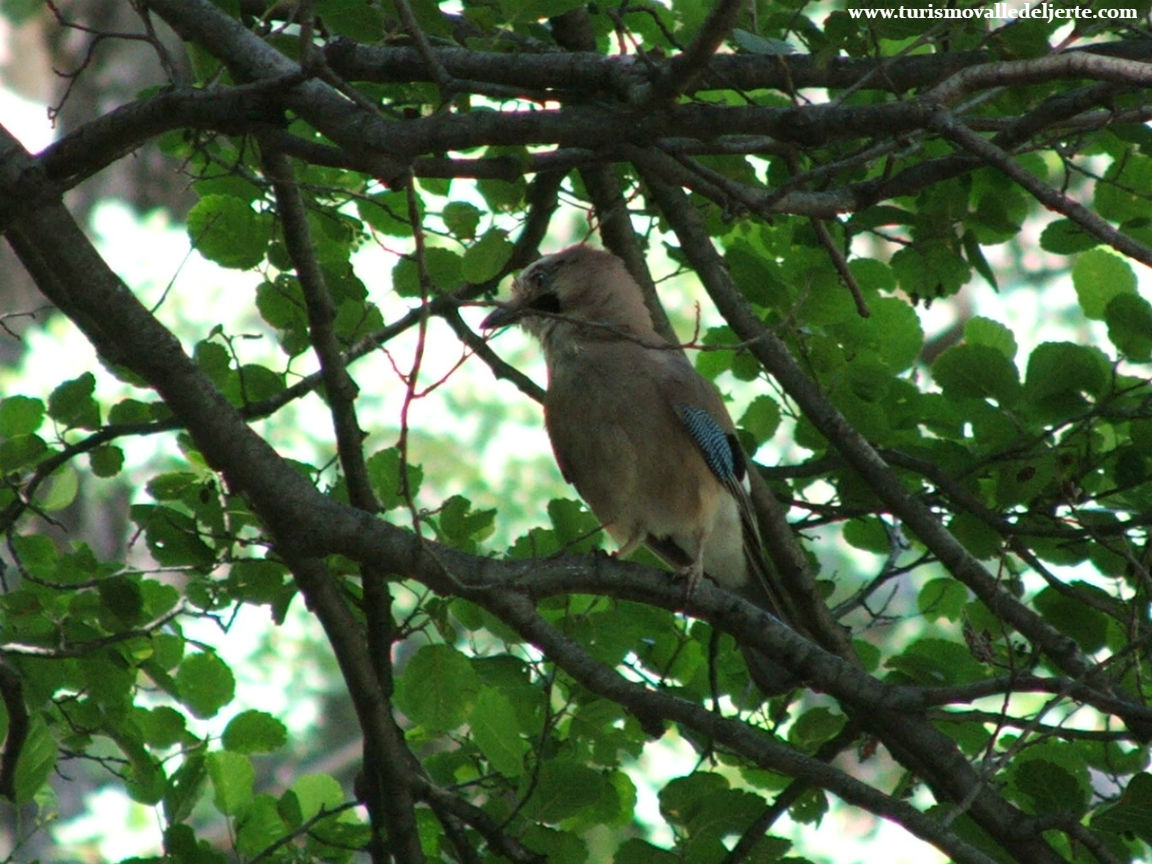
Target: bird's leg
x,y
694,571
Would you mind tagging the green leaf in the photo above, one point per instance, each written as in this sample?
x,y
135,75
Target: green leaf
x,y
975,257
1065,237
232,776
132,411
146,781
228,231
356,318
21,451
205,683
868,534
810,807
461,219
711,363
161,727
985,331
38,554
892,331
172,486
172,536
444,273
556,847
360,21
316,792
387,212
214,359
384,474
281,304
563,789
20,11
1051,777
1121,195
255,580
36,761
71,404
484,259
942,598
254,731
1100,275
761,418
438,687
20,415
459,525
814,727
1072,615
121,596
577,530
752,43
937,662
1132,814
333,237
1059,373
106,460
503,196
929,270
637,851
253,383
757,277
185,788
977,372
61,490
1129,319
682,798
496,732
260,826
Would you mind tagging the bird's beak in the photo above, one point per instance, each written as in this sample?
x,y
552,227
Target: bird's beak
x,y
504,315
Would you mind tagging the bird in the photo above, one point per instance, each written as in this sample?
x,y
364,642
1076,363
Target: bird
x,y
646,439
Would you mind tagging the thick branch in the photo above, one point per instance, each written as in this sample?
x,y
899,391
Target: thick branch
x,y
388,788
590,72
383,739
764,750
100,142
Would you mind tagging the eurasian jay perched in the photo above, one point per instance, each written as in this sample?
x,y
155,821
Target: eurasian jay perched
x,y
644,438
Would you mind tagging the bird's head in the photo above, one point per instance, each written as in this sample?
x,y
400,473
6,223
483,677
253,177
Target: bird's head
x,y
578,285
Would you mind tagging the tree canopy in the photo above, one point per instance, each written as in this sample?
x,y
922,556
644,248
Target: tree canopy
x,y
913,235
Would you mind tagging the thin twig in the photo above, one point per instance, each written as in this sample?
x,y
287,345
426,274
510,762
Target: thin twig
x,y
841,265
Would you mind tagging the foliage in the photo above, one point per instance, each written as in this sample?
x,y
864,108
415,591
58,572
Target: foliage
x,y
968,543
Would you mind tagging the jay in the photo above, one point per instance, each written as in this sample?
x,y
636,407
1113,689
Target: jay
x,y
644,438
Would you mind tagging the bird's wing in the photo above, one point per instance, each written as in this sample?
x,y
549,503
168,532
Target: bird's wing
x,y
703,415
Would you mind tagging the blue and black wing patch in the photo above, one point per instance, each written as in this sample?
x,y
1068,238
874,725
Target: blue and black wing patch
x,y
720,449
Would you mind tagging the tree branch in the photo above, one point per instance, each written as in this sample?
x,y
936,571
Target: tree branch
x,y
951,128
764,750
580,73
12,692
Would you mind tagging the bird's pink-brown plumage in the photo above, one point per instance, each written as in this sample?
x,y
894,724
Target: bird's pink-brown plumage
x,y
644,438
